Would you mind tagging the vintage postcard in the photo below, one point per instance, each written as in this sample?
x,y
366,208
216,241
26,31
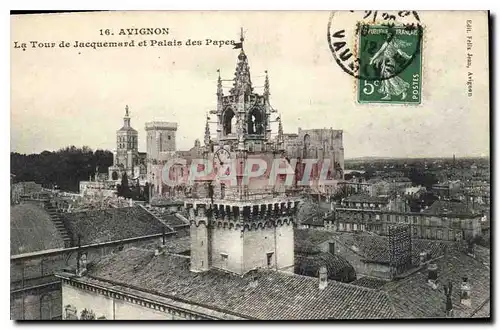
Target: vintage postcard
x,y
264,165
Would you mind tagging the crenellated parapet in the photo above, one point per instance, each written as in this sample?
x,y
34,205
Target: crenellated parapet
x,y
242,215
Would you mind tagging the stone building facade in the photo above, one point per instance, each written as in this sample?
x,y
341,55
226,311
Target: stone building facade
x,y
450,227
321,144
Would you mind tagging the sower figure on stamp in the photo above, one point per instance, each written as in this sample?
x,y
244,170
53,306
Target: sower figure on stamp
x,y
385,60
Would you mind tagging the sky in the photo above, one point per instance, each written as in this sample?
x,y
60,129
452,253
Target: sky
x,y
74,96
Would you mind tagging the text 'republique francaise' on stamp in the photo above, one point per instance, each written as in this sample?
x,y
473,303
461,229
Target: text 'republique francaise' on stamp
x,y
383,50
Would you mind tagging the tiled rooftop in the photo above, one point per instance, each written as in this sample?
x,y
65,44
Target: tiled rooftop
x,y
32,229
448,208
413,297
337,267
372,248
99,226
369,282
366,199
277,295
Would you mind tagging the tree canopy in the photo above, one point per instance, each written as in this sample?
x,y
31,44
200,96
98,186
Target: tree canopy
x,y
64,168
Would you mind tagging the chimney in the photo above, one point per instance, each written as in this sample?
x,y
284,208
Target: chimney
x,y
82,264
423,257
254,282
323,278
471,249
465,292
449,305
432,275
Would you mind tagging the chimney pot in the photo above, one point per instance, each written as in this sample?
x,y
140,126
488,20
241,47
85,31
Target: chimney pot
x,y
465,292
323,278
254,282
423,257
432,275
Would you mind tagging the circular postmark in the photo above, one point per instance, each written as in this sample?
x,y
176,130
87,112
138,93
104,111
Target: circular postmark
x,y
374,45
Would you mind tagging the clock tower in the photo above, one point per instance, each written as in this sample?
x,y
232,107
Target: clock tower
x,y
242,225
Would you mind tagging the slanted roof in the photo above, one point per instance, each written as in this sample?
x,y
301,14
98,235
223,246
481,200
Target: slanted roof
x,y
32,229
372,248
278,295
315,220
99,226
370,282
338,268
449,208
414,298
362,198
308,240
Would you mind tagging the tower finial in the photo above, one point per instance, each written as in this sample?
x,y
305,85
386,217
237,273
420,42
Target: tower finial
x,y
241,35
126,110
219,84
266,86
207,132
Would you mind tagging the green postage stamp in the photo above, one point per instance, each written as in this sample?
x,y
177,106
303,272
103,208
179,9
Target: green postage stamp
x,y
392,64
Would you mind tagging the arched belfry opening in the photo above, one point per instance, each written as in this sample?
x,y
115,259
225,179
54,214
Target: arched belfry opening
x,y
255,122
229,121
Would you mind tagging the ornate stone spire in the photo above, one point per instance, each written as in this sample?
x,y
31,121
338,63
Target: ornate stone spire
x,y
207,132
266,87
280,135
242,82
219,85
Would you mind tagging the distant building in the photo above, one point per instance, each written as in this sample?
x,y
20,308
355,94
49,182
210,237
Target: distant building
x,y
414,192
126,158
388,186
98,188
322,144
444,220
361,201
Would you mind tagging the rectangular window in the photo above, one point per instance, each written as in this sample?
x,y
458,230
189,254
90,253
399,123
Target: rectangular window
x,y
270,259
169,137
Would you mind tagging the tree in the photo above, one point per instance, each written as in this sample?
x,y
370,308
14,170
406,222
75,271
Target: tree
x,y
64,168
87,315
123,188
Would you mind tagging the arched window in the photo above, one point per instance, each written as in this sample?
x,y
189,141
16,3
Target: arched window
x,y
229,121
255,124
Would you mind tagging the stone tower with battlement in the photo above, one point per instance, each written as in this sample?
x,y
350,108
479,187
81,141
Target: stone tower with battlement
x,y
160,137
246,225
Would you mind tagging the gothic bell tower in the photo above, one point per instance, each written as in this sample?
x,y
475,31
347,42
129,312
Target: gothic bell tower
x,y
239,227
243,116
